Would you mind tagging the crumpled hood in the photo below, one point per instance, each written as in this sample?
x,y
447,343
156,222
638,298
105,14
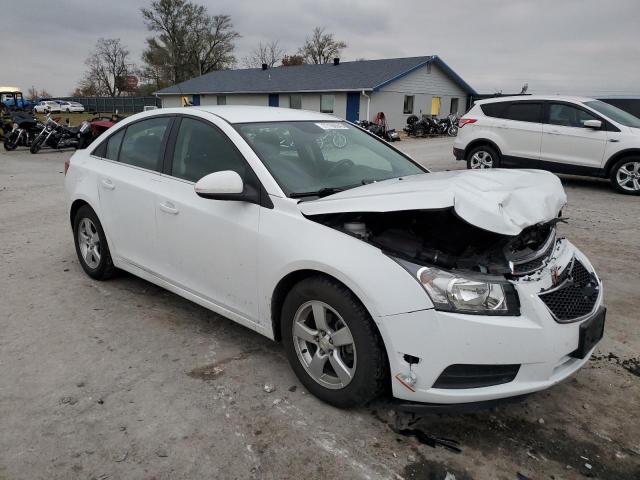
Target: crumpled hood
x,y
501,201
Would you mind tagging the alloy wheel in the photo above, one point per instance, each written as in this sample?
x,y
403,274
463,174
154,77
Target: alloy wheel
x,y
324,344
628,176
89,243
481,159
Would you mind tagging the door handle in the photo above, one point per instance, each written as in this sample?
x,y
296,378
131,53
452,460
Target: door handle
x,y
107,184
169,207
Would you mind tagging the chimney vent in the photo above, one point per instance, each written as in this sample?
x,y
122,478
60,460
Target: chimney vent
x,y
264,66
336,61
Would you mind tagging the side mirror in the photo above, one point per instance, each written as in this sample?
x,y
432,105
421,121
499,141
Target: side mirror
x,y
595,124
225,185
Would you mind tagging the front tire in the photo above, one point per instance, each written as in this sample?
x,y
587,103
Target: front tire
x,y
482,157
332,344
625,176
37,144
91,245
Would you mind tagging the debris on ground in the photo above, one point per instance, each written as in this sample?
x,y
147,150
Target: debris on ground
x,y
69,400
269,388
161,452
426,439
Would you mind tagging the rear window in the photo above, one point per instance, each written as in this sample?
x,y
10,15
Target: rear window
x,y
494,109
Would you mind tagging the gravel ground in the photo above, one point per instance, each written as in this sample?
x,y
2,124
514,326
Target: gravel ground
x,y
122,379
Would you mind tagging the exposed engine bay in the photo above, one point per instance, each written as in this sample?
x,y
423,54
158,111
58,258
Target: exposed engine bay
x,y
441,238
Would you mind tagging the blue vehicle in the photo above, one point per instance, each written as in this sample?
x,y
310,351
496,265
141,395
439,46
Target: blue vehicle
x,y
11,98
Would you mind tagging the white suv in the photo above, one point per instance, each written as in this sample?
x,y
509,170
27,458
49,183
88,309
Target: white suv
x,y
574,135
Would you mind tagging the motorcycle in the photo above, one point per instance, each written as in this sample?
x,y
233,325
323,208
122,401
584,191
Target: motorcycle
x,y
24,129
98,126
450,125
58,136
379,128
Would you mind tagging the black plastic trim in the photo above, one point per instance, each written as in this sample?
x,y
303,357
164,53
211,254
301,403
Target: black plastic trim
x,y
556,167
463,376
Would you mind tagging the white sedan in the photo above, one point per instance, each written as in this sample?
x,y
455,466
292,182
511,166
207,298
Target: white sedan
x,y
47,106
448,287
70,107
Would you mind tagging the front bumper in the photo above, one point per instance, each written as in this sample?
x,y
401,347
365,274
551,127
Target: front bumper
x,y
534,340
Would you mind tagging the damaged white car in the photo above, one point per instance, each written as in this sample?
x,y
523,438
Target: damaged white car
x,y
448,288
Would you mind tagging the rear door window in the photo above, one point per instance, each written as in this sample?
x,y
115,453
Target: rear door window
x,y
524,112
143,143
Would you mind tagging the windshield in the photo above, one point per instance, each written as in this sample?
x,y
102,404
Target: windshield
x,y
614,113
319,158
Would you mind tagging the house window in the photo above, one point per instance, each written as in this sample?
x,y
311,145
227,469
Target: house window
x,y
454,106
326,103
221,99
408,104
295,101
435,106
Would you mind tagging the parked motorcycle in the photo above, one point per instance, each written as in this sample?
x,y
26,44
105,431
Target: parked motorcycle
x,y
24,129
98,126
420,127
57,136
379,128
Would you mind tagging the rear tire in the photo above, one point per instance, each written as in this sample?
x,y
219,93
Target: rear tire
x,y
332,344
482,157
9,142
91,245
625,176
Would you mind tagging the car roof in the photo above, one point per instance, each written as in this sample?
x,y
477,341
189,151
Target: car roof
x,y
566,98
248,114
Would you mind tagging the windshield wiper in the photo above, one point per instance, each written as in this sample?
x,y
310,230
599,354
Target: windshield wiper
x,y
323,192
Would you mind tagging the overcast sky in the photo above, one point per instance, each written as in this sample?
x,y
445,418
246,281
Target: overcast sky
x,y
587,47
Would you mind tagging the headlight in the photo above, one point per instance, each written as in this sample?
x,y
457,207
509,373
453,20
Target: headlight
x,y
453,292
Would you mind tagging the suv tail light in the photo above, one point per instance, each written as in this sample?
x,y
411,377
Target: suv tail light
x,y
67,164
464,121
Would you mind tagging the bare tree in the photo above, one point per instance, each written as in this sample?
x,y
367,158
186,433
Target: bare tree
x,y
321,47
108,65
189,41
269,53
291,60
34,93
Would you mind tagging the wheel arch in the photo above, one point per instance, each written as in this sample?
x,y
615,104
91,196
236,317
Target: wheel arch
x,y
629,152
480,142
287,282
76,205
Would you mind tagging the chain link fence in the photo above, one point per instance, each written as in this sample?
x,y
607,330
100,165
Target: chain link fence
x,y
115,104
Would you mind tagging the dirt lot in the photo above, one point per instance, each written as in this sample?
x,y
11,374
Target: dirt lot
x,y
124,380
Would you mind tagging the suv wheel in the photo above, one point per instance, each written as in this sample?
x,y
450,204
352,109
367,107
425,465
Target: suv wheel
x,y
625,176
91,245
332,344
482,157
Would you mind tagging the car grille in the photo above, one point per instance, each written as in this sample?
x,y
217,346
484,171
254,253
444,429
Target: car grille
x,y
575,294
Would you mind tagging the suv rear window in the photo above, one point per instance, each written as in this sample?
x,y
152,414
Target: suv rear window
x,y
494,109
